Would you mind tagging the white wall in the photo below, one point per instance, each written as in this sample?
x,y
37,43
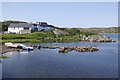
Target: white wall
x,y
15,30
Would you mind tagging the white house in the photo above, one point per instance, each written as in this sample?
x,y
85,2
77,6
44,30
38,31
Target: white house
x,y
18,28
22,28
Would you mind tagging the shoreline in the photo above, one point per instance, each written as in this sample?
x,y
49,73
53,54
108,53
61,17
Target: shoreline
x,y
62,49
75,38
5,49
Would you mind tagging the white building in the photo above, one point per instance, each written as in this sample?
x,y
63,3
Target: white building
x,y
18,28
22,28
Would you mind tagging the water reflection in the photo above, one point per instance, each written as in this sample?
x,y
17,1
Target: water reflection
x,y
13,52
24,51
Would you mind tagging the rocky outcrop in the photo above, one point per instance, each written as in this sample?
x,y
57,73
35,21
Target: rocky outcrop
x,y
97,38
61,49
65,49
85,49
78,48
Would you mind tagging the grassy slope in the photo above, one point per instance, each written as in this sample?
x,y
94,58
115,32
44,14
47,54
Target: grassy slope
x,y
33,37
43,37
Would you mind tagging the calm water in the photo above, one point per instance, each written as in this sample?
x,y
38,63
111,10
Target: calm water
x,y
48,63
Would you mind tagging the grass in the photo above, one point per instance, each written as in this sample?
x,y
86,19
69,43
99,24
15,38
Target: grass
x,y
41,37
35,35
19,40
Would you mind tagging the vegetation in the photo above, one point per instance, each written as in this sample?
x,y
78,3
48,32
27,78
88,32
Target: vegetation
x,y
101,30
56,27
73,31
68,35
35,35
45,36
4,57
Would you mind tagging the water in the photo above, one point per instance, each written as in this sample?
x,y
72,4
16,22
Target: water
x,y
48,63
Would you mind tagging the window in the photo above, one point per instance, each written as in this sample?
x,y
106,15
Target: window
x,y
26,28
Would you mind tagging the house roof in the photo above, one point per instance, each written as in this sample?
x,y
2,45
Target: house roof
x,y
20,25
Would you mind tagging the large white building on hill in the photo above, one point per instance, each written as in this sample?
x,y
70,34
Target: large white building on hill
x,y
22,28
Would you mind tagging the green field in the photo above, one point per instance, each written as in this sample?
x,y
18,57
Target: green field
x,y
44,37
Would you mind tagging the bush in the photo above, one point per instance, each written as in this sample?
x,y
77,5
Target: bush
x,y
73,31
88,33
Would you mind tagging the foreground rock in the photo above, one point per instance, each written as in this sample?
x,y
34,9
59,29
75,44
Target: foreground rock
x,y
65,49
85,49
78,48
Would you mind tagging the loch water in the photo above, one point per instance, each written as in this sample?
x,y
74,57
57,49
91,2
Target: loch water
x,y
49,63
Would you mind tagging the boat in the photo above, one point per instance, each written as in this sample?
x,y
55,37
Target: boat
x,y
12,45
18,45
21,46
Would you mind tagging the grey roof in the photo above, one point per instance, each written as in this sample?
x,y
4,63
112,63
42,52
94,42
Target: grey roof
x,y
20,25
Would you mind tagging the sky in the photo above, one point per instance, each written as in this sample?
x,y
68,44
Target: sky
x,y
63,14
60,0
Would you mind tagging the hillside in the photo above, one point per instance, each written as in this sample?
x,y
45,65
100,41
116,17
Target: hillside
x,y
101,30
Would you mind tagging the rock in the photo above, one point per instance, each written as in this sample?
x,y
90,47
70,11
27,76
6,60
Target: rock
x,y
65,49
97,38
38,47
93,49
114,41
108,40
34,46
86,49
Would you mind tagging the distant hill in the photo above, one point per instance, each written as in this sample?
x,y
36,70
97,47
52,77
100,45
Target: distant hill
x,y
101,30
